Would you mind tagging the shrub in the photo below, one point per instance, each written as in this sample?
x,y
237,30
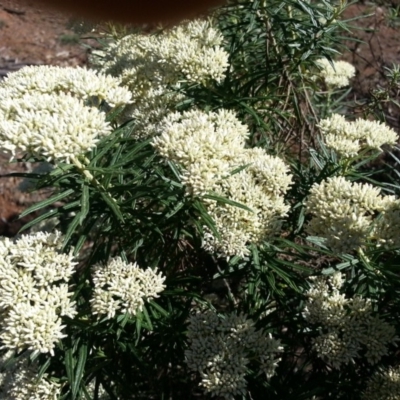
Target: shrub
x,y
221,228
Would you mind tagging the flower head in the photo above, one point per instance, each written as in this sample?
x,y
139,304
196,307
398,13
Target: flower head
x,y
337,74
34,291
189,51
153,67
123,287
205,145
388,225
343,212
220,348
84,84
53,113
208,148
55,127
383,385
349,138
20,381
349,327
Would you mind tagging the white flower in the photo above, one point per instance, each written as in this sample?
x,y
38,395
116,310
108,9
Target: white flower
x,y
37,328
348,326
208,148
190,51
338,75
154,66
81,83
220,348
123,287
349,138
56,127
53,113
20,382
237,226
34,293
388,225
375,133
270,172
343,212
383,385
206,145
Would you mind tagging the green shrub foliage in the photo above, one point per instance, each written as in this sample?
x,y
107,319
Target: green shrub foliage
x,y
219,222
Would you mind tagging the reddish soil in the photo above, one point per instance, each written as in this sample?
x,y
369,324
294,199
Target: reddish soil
x,y
29,36
33,35
373,46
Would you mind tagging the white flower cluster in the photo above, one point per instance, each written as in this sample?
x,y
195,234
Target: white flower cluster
x,y
343,212
348,326
383,385
205,144
34,293
151,65
221,347
123,287
190,51
337,75
208,147
52,112
81,83
349,138
387,226
150,109
20,382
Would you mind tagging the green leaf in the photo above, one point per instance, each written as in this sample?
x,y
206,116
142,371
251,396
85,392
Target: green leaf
x,y
224,200
72,228
69,361
147,318
113,206
205,218
47,202
84,203
161,310
51,213
79,372
43,368
256,256
177,207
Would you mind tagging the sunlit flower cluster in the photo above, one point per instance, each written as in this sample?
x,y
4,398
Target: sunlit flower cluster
x,y
190,51
349,327
205,145
209,147
55,127
20,381
153,66
53,113
349,138
383,385
121,287
237,226
222,346
34,291
337,75
343,212
85,84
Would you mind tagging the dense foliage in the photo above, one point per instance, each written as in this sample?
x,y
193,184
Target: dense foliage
x,y
220,223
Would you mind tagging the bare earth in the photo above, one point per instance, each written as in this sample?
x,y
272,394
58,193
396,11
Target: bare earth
x,y
33,36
